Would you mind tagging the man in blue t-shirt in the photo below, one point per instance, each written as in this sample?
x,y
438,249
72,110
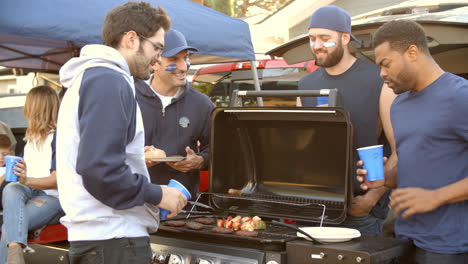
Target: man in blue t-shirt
x,y
364,96
430,123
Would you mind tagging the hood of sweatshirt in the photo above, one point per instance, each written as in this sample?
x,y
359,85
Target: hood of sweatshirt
x,y
94,56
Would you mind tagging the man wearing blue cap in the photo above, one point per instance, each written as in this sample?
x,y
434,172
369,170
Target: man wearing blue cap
x,y
364,96
176,116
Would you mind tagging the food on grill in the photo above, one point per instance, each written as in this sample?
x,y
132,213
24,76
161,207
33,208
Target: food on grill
x,y
175,223
155,153
247,233
222,230
194,225
205,220
242,223
234,192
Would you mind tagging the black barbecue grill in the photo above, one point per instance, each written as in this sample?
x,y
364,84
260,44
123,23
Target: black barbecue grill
x,y
282,163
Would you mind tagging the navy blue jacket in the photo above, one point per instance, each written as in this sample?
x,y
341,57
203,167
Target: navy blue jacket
x,y
183,123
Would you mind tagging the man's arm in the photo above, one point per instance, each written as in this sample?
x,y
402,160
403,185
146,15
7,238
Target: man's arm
x,y
387,96
418,200
104,115
195,161
298,102
205,135
363,204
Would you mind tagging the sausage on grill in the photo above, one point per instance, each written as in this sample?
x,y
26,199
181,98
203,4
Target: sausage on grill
x,y
247,233
175,223
222,230
194,225
205,221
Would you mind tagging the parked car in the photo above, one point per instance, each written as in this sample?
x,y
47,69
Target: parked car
x,y
445,23
11,113
218,81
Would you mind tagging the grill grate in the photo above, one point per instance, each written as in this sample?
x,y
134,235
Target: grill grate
x,y
275,204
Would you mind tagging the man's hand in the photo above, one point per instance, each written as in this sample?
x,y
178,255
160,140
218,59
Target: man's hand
x,y
412,201
191,162
361,205
148,162
172,200
362,177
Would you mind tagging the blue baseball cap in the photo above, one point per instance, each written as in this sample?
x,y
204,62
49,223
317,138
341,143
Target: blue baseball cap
x,y
333,18
175,42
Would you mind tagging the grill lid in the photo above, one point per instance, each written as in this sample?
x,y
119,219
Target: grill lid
x,y
282,162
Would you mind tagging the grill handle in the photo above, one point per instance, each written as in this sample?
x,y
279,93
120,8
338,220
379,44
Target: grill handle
x,y
334,98
296,229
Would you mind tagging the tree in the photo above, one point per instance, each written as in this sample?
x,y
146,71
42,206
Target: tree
x,y
242,8
223,6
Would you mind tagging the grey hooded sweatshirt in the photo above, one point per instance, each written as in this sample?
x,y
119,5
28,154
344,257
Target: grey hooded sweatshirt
x,y
103,182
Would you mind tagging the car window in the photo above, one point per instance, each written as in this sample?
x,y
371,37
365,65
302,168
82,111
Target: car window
x,y
11,111
270,79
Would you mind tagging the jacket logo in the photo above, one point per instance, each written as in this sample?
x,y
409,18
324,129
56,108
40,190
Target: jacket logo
x,y
184,122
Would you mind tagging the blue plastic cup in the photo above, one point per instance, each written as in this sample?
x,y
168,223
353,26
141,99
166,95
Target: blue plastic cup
x,y
372,157
179,186
9,171
322,100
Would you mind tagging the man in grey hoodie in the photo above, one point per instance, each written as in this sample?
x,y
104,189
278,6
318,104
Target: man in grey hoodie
x,y
104,186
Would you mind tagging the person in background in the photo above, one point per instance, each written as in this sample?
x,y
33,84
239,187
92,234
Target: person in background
x,y
5,150
104,186
176,116
364,96
431,134
32,202
5,129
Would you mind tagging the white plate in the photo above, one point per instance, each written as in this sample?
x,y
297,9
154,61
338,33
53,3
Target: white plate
x,y
167,159
330,234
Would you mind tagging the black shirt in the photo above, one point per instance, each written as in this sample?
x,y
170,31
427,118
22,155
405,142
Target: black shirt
x,y
360,87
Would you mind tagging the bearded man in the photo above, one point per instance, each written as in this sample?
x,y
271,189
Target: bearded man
x,y
104,187
364,96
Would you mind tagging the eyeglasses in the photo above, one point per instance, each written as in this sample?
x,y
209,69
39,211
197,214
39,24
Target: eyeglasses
x,y
325,44
158,48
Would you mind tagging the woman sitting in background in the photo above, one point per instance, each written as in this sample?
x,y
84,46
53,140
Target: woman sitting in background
x,y
32,202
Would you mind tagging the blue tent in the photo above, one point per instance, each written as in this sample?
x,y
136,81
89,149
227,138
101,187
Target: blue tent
x,y
42,35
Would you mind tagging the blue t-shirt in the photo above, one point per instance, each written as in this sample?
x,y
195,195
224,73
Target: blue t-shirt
x,y
431,133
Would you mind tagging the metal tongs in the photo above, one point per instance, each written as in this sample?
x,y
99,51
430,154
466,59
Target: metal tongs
x,y
194,205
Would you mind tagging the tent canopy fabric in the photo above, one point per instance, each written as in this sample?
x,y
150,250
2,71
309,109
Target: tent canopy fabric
x,y
42,35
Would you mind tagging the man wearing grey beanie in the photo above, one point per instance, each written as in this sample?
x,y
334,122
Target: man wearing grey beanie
x,y
364,96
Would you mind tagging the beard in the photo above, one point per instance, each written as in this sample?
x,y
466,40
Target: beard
x,y
403,82
333,57
142,69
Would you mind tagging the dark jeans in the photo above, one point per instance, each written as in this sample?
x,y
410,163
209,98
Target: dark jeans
x,y
368,225
135,250
421,256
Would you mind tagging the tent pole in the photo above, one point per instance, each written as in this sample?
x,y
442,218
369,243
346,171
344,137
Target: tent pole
x,y
256,82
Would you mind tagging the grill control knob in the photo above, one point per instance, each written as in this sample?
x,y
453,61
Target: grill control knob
x,y
322,255
204,261
359,260
159,259
340,257
175,259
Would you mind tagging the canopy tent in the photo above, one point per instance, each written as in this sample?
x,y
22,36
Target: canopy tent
x,y
42,35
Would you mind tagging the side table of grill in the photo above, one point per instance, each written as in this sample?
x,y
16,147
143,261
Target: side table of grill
x,y
368,250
